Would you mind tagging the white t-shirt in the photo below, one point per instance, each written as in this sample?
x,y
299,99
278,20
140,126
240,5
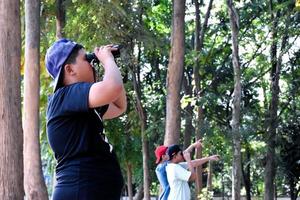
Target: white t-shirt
x,y
178,177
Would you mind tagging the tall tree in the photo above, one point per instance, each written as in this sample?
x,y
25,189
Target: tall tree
x,y
199,40
188,111
60,18
129,180
199,118
34,184
272,115
143,118
235,123
11,135
175,72
143,122
209,176
245,167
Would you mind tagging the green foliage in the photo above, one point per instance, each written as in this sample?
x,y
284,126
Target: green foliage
x,y
158,18
146,25
206,194
47,156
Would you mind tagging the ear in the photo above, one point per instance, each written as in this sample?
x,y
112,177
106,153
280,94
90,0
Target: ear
x,y
69,70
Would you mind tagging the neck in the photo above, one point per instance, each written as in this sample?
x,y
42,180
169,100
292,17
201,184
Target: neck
x,y
69,81
173,161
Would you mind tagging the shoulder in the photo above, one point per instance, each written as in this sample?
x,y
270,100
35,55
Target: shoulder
x,y
171,166
71,98
162,166
74,89
77,87
183,164
176,167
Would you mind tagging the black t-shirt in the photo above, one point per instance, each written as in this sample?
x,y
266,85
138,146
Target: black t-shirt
x,y
87,167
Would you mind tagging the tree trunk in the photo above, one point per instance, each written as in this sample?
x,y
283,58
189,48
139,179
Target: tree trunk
x,y
246,172
142,118
129,181
188,112
272,117
11,135
60,18
272,113
189,128
292,179
34,184
235,123
143,122
209,177
199,40
199,110
139,194
174,76
145,148
155,64
146,159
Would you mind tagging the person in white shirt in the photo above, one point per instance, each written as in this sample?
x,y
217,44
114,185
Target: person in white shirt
x,y
179,173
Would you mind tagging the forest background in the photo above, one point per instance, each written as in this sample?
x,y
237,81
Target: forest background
x,y
226,72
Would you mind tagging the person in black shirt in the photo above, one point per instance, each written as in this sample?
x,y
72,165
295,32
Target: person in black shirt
x,y
87,167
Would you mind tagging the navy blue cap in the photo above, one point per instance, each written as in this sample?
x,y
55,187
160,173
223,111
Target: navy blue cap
x,y
56,56
172,150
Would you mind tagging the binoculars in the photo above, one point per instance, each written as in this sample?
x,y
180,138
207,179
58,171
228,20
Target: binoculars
x,y
92,58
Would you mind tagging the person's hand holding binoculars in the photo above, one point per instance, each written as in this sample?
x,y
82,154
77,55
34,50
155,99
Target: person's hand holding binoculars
x,y
102,53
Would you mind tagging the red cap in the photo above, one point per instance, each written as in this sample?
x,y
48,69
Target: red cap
x,y
159,152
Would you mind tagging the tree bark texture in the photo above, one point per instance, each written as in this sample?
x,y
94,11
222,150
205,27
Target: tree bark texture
x,y
139,194
199,40
60,18
145,146
235,122
174,75
11,134
270,170
188,112
272,117
246,171
209,176
199,110
129,181
34,184
143,121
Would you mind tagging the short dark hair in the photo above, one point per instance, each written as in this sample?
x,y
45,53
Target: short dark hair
x,y
73,55
70,60
173,150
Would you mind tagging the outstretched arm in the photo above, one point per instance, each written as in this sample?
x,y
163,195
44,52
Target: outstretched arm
x,y
195,163
201,161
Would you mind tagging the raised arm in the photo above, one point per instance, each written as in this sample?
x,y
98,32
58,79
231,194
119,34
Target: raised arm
x,y
110,90
197,144
117,107
187,157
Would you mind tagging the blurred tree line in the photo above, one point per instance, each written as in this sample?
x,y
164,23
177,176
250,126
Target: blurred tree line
x,y
264,146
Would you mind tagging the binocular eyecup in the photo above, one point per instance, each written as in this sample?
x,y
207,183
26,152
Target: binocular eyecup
x,y
92,58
